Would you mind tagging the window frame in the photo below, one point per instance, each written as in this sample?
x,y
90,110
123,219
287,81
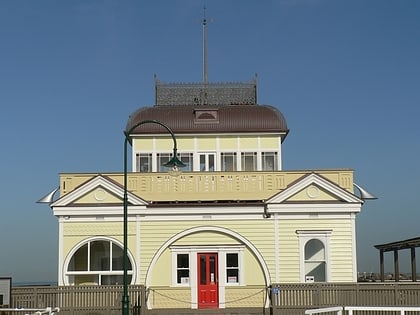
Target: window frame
x,y
324,236
245,156
188,159
161,159
221,251
229,155
69,276
238,268
150,160
264,155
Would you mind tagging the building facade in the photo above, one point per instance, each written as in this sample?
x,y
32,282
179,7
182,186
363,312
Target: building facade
x,y
221,232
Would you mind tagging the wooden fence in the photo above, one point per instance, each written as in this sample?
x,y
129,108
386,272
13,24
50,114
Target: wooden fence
x,y
79,300
296,298
284,298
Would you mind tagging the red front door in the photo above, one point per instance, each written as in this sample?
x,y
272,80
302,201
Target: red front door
x,y
208,290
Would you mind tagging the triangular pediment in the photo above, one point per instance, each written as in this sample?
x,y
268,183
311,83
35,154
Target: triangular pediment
x,y
99,190
99,195
314,188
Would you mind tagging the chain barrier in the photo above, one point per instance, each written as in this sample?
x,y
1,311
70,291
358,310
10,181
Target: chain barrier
x,y
188,302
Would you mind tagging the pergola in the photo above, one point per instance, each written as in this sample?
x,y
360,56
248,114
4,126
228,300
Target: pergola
x,y
411,244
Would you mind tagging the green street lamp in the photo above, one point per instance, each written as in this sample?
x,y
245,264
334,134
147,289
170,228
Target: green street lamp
x,y
174,164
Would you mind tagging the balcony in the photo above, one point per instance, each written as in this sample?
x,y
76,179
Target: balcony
x,y
208,186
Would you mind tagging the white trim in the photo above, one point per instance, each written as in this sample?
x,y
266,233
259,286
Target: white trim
x,y
353,248
259,155
70,254
204,210
276,247
238,153
91,185
138,248
222,230
314,208
60,250
322,235
193,250
279,159
311,179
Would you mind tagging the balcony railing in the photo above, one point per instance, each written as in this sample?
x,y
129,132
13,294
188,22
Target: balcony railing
x,y
208,186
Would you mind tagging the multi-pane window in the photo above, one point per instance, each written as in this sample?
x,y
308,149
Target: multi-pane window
x,y
315,262
143,162
182,268
232,268
207,162
97,262
269,161
187,159
162,159
249,161
228,161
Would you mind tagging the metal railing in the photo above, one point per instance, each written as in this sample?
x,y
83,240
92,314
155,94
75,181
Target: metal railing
x,y
32,311
350,309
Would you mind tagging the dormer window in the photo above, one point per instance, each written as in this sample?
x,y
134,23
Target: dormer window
x,y
206,116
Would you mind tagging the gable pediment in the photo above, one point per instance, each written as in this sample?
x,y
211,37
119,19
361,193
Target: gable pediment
x,y
98,191
99,195
314,188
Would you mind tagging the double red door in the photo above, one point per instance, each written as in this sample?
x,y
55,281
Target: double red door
x,y
208,288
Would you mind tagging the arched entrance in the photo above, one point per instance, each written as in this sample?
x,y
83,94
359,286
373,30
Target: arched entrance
x,y
210,262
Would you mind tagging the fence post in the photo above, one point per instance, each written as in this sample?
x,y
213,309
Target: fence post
x,y
143,300
316,294
274,299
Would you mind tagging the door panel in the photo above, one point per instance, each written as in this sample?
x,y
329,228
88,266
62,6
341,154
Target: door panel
x,y
208,286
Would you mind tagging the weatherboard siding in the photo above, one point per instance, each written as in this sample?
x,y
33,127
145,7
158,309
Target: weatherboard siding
x,y
205,142
341,251
153,236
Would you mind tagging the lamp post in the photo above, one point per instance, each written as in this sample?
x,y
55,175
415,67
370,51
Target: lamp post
x,y
173,163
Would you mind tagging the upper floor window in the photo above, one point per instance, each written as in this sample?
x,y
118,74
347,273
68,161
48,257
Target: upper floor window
x,y
249,161
207,162
162,159
187,159
228,161
143,162
269,161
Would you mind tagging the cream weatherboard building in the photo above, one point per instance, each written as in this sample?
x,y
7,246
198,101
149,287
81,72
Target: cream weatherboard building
x,y
221,232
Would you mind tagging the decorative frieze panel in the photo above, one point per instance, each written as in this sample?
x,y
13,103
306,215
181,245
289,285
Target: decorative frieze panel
x,y
232,93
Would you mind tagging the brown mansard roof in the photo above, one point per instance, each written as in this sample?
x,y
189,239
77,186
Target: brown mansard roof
x,y
198,108
190,119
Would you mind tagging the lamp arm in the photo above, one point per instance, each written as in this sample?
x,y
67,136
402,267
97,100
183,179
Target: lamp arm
x,y
150,121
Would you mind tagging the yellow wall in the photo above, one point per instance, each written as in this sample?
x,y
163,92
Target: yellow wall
x,y
259,232
207,143
341,248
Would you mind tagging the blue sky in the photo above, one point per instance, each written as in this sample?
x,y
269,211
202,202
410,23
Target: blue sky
x,y
345,73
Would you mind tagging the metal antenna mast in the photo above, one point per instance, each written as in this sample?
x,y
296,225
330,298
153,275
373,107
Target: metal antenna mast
x,y
205,47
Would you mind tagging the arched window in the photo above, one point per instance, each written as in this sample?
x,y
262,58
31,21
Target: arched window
x,y
315,262
314,249
97,261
